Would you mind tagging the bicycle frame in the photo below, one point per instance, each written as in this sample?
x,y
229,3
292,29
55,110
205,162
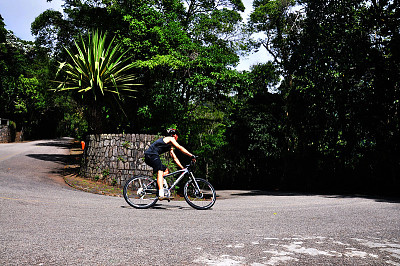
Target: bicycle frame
x,y
183,173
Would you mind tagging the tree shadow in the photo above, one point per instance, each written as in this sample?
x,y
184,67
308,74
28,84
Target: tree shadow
x,y
59,158
166,206
59,143
70,161
377,198
387,199
266,193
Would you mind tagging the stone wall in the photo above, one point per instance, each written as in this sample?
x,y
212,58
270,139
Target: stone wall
x,y
114,158
5,134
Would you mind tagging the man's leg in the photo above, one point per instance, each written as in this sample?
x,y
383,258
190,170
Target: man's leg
x,y
160,182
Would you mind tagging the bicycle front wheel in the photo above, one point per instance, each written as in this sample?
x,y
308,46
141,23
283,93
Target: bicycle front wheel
x,y
140,192
199,194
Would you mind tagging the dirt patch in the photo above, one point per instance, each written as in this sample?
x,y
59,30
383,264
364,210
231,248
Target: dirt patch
x,y
91,186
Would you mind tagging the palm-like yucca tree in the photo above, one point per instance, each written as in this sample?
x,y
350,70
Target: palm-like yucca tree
x,y
97,68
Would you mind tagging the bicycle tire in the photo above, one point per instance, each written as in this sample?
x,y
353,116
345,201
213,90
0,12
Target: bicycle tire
x,y
140,192
201,200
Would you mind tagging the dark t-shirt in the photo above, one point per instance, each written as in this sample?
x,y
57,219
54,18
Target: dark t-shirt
x,y
158,147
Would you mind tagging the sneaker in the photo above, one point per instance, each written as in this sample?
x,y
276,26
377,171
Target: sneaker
x,y
165,198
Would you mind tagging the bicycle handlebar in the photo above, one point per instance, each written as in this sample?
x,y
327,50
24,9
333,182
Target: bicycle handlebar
x,y
192,162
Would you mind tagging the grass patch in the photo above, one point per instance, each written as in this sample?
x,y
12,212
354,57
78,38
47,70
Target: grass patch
x,y
96,187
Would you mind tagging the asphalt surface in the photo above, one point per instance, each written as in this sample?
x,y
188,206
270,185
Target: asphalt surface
x,y
45,222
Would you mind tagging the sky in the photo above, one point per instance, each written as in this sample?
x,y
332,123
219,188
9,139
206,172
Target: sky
x,y
19,14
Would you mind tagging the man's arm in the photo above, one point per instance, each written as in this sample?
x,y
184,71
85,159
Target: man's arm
x,y
179,147
175,158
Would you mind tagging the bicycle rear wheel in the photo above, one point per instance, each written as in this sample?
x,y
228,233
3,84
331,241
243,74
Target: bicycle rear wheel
x,y
140,192
202,199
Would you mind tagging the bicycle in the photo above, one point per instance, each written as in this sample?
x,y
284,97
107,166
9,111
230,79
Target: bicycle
x,y
141,192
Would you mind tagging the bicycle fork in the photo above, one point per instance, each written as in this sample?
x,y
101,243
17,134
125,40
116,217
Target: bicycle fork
x,y
198,192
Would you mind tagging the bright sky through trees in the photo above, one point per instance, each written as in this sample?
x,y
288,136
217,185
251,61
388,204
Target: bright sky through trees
x,y
19,14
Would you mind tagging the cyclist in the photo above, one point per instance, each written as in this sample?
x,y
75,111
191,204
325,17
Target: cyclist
x,y
160,146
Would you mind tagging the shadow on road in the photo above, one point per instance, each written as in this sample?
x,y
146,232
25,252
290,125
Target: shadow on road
x,y
377,198
71,161
60,143
166,206
265,193
59,158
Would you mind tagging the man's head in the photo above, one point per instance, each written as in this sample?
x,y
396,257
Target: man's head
x,y
173,133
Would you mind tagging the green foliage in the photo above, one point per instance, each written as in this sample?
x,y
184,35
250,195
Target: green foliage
x,y
106,173
51,31
34,97
338,90
73,122
280,21
23,96
122,159
97,68
126,144
182,47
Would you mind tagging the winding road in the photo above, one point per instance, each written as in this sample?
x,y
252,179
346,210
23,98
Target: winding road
x,y
45,222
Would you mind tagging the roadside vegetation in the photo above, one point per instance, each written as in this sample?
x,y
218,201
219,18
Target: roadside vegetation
x,y
322,115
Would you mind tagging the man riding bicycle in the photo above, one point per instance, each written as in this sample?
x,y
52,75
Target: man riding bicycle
x,y
152,157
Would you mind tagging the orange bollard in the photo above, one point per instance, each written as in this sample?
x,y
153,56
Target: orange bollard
x,y
83,145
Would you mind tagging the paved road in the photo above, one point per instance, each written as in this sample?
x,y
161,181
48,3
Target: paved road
x,y
44,222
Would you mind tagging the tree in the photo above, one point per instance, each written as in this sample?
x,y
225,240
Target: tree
x,y
98,68
280,21
338,90
184,50
23,96
55,30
